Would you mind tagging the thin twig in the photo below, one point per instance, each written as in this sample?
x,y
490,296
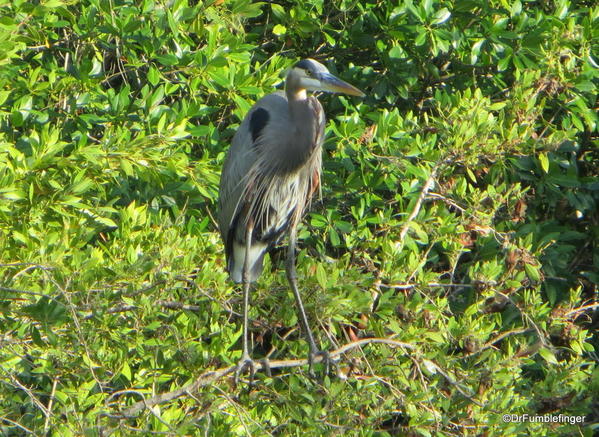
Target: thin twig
x,y
239,412
428,184
497,339
434,368
25,264
17,291
18,425
582,309
430,285
173,305
148,288
448,201
123,308
50,404
193,284
78,330
29,392
526,317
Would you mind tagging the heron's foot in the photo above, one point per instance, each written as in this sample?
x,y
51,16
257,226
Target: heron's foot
x,y
325,358
266,366
246,363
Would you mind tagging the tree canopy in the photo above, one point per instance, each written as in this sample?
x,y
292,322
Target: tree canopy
x,y
458,220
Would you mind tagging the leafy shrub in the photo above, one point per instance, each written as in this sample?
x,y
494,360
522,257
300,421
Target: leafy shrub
x,y
458,215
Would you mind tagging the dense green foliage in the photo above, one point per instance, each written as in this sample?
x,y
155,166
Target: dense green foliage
x,y
459,214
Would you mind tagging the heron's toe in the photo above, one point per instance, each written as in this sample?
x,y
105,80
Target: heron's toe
x,y
322,356
266,366
246,363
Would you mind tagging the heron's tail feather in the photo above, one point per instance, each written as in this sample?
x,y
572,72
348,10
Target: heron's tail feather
x,y
236,261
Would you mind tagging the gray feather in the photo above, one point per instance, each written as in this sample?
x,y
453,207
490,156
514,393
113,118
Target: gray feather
x,y
270,172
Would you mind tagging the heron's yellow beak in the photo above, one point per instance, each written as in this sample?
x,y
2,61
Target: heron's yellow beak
x,y
332,84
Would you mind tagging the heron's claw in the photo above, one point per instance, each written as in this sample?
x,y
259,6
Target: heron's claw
x,y
266,366
325,358
245,363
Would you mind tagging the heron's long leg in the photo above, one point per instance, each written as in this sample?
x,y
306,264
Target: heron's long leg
x,y
246,360
292,277
246,286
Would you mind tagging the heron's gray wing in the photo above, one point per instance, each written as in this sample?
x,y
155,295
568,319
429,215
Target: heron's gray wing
x,y
243,181
238,162
269,175
243,155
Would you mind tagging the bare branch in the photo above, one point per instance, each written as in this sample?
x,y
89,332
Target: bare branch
x,y
429,285
497,339
16,424
123,308
26,264
582,309
50,405
209,377
428,185
30,393
173,305
17,291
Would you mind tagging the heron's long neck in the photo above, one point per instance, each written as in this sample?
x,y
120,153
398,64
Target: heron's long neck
x,y
301,140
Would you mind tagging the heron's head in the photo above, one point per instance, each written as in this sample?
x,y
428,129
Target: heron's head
x,y
311,75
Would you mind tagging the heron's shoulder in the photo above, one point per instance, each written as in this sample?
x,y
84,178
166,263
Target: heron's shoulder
x,y
274,101
271,110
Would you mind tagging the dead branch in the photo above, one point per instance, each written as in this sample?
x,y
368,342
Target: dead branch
x,y
26,264
582,309
211,376
428,185
173,305
497,339
123,308
429,285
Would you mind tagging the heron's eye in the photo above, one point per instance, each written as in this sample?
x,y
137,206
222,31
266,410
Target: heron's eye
x,y
308,73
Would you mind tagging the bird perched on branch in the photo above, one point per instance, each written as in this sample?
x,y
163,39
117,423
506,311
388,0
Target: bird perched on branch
x,y
271,171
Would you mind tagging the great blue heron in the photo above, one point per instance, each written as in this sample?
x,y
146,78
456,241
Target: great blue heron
x,y
270,173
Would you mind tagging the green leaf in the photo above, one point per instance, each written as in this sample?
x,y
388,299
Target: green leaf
x,y
586,86
126,371
153,76
278,11
168,60
321,276
516,8
548,355
476,50
3,96
279,30
532,272
396,52
106,222
544,161
420,38
52,3
12,194
441,16
334,237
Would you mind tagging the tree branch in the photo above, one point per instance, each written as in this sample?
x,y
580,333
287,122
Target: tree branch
x,y
428,185
211,376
